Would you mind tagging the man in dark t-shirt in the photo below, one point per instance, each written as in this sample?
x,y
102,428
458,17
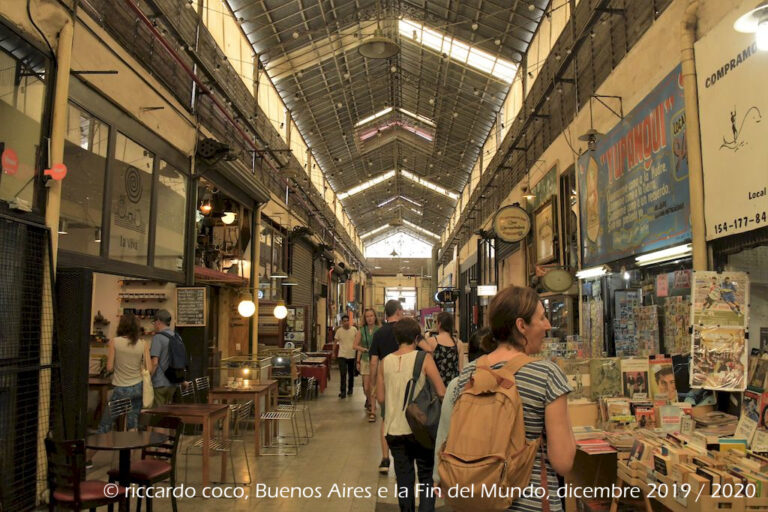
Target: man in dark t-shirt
x,y
383,344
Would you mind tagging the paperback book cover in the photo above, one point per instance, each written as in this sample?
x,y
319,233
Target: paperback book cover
x,y
758,370
634,376
645,417
669,418
662,376
605,377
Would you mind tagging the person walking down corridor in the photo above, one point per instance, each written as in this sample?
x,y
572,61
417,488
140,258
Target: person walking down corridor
x,y
345,337
125,356
445,349
363,346
394,374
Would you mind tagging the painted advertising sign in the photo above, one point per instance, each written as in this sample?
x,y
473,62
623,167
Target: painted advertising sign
x,y
732,74
633,188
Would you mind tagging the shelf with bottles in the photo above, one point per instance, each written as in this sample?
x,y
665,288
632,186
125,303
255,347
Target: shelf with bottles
x,y
142,297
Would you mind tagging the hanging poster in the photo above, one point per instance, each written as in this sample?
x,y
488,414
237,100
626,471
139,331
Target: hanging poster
x,y
545,188
733,107
719,358
633,188
720,299
544,232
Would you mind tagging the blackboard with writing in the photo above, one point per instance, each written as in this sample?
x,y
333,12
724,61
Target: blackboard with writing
x,y
190,307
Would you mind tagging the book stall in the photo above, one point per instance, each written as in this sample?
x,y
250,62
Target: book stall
x,y
689,428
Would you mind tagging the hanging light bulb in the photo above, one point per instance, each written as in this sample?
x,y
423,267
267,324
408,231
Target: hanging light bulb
x,y
206,205
246,307
280,311
228,218
97,235
63,227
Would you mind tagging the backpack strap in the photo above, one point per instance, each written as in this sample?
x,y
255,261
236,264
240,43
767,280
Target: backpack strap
x,y
169,336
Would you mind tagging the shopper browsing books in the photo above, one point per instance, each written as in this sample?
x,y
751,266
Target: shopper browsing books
x,y
518,325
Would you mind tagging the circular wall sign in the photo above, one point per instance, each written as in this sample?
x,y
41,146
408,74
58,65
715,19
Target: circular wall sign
x,y
557,280
511,223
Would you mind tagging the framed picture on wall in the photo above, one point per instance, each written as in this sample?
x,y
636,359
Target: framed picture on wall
x,y
545,227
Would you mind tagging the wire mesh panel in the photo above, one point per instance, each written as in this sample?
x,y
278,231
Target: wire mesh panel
x,y
26,333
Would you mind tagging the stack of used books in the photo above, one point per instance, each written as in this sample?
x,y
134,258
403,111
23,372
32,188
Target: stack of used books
x,y
587,432
595,446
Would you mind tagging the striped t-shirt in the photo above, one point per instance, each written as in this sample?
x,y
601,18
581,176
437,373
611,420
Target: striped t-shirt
x,y
539,383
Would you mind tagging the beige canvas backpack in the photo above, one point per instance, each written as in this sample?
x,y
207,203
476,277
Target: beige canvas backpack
x,y
486,453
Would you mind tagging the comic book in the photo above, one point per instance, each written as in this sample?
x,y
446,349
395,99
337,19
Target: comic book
x,y
605,377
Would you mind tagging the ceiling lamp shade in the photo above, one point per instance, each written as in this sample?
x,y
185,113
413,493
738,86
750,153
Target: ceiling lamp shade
x,y
755,22
378,46
279,274
591,137
290,282
228,218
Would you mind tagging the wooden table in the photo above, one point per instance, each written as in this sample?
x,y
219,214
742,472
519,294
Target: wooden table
x,y
200,414
314,360
257,392
319,372
124,442
593,471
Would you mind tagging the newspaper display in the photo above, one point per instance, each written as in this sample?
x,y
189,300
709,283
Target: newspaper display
x,y
719,313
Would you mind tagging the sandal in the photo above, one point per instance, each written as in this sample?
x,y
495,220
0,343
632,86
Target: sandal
x,y
371,417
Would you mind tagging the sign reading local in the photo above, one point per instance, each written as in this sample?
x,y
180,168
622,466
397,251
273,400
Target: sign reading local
x,y
634,185
733,104
511,223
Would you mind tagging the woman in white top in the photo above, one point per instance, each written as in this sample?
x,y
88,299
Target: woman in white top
x,y
394,372
126,357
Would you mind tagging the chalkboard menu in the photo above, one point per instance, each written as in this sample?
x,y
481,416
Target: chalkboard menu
x,y
190,307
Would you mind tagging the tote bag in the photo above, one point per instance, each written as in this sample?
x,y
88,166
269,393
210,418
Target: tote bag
x,y
148,392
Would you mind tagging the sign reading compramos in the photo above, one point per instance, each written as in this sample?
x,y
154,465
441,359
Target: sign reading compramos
x,y
634,185
732,74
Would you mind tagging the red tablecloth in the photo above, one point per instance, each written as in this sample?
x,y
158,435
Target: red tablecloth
x,y
320,372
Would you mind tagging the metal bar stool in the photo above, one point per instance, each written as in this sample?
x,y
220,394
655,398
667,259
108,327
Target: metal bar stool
x,y
118,411
202,386
298,408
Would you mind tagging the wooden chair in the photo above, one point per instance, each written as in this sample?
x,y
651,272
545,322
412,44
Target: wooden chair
x,y
157,463
66,469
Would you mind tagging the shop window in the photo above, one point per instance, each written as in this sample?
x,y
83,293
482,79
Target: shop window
x,y
22,102
171,214
82,192
131,201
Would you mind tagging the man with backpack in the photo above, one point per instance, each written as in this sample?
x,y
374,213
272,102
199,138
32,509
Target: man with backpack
x,y
168,357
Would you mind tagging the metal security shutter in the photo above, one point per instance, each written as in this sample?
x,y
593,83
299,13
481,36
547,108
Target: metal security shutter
x,y
301,270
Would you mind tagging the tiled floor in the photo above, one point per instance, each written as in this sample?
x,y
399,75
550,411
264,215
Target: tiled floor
x,y
344,451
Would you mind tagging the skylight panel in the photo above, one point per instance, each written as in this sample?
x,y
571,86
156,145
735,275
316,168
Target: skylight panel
x,y
368,184
410,201
377,230
428,184
481,60
423,119
405,245
374,116
457,50
384,203
420,229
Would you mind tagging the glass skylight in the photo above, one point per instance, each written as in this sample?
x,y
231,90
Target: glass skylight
x,y
382,113
377,230
370,183
420,229
429,185
410,201
457,50
384,203
404,244
374,116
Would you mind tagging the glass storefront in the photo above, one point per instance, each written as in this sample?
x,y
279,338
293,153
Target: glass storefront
x,y
23,89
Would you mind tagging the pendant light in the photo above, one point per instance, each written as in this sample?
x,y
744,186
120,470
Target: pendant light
x,y
378,46
280,311
755,22
527,191
246,307
290,282
97,235
591,136
63,227
278,274
206,205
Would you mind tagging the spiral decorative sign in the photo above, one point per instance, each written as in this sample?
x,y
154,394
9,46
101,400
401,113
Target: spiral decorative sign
x,y
133,186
